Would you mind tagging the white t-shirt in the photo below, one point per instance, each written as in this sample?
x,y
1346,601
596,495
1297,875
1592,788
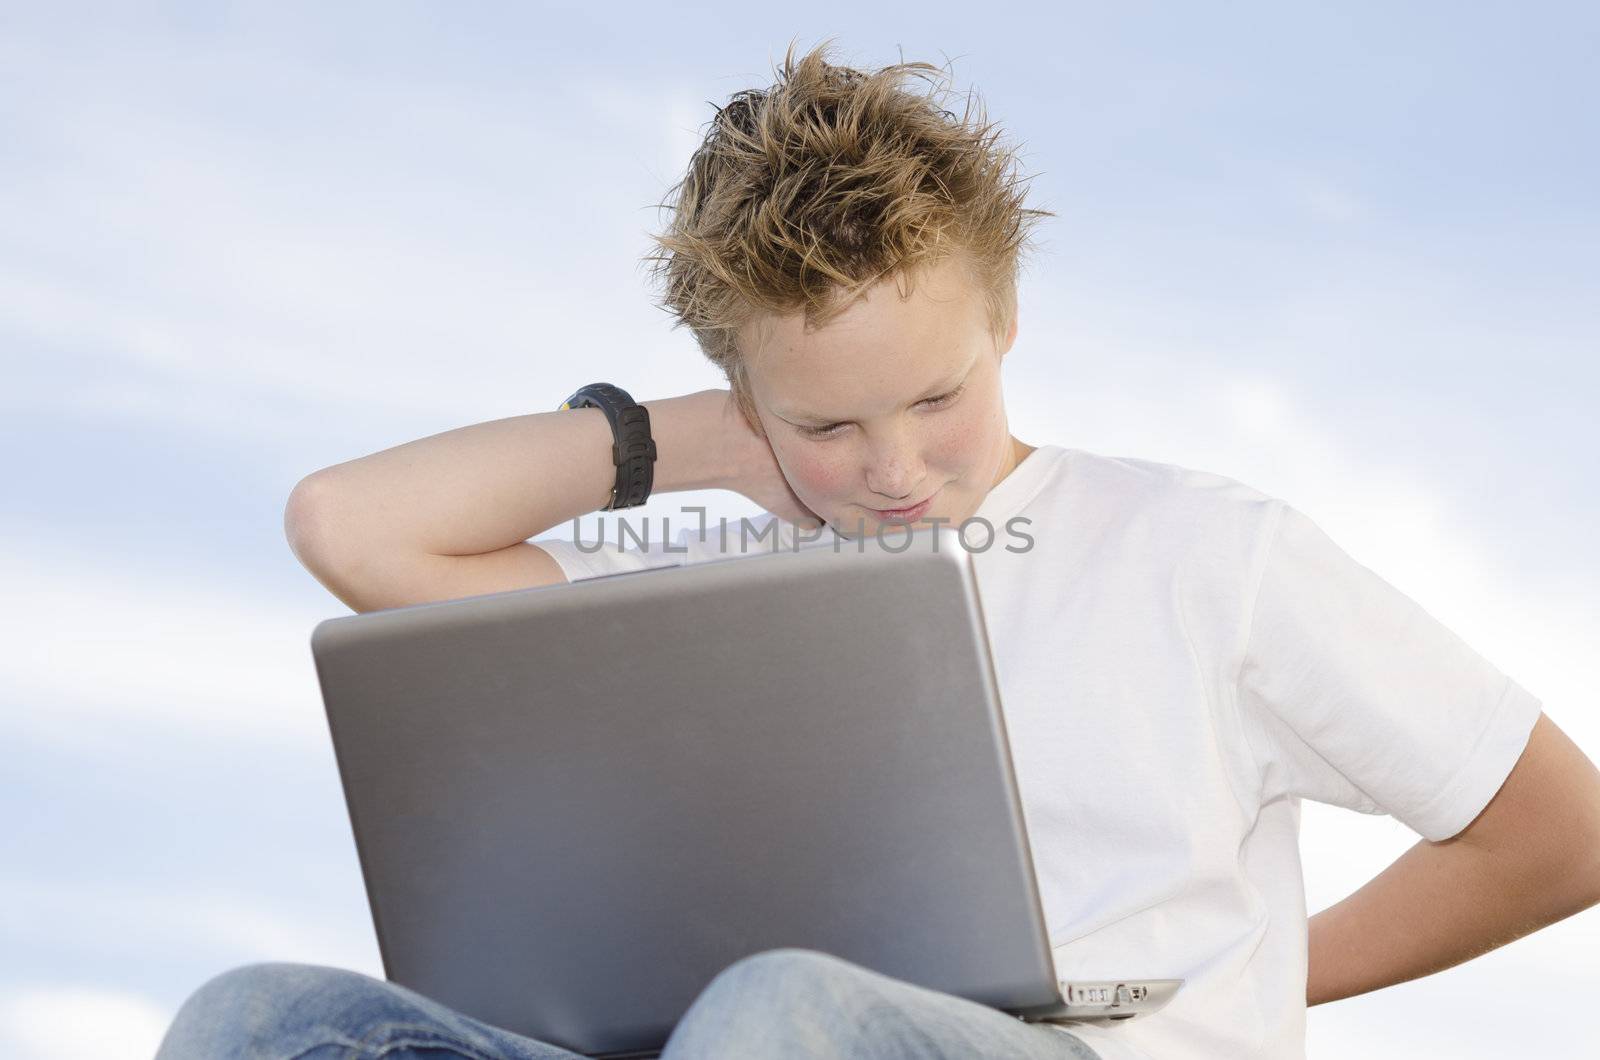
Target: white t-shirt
x,y
1181,659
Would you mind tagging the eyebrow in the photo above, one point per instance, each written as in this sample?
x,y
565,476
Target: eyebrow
x,y
937,389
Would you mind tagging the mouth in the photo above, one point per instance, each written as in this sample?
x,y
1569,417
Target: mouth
x,y
905,514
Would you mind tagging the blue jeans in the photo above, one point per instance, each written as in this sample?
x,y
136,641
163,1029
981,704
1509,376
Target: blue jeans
x,y
780,1003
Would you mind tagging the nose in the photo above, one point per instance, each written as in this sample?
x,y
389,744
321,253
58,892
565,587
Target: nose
x,y
894,472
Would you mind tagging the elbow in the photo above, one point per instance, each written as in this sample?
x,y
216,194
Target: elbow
x,y
309,525
307,521
333,547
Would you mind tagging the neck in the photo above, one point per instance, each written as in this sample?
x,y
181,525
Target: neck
x,y
1019,451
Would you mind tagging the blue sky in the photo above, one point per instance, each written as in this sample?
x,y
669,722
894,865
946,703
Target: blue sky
x,y
1346,253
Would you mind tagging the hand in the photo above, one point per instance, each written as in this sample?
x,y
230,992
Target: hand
x,y
758,475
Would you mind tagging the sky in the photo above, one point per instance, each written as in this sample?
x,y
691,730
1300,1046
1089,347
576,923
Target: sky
x,y
1345,253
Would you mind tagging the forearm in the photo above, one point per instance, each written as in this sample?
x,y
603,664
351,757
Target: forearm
x,y
484,487
1438,905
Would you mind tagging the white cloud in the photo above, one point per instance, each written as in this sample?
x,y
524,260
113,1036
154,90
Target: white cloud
x,y
1258,406
663,119
117,918
323,271
1329,201
88,636
74,1022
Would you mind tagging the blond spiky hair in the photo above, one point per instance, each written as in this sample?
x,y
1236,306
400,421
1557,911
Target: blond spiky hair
x,y
805,194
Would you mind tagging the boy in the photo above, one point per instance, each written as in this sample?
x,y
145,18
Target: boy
x,y
1182,658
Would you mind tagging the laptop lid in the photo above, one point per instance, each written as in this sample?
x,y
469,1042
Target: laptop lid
x,y
573,805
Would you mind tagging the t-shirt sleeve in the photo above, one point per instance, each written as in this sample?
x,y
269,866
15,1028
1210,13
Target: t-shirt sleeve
x,y
618,552
1356,696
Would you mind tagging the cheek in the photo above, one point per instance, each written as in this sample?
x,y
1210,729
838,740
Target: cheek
x,y
957,444
950,448
816,470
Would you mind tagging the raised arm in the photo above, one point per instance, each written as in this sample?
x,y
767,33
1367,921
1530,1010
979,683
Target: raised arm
x,y
450,515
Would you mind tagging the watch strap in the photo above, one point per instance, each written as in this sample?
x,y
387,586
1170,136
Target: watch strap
x,y
633,451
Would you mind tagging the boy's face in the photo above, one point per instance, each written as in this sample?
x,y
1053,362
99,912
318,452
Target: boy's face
x,y
861,414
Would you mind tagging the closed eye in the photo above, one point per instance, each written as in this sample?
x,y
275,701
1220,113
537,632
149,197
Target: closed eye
x,y
831,430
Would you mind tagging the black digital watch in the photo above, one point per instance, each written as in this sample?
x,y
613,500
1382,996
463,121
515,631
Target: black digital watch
x,y
633,451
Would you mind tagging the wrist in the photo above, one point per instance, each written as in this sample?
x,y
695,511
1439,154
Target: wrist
x,y
693,449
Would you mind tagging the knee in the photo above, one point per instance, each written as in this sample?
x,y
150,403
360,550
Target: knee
x,y
790,981
790,966
266,1009
780,1001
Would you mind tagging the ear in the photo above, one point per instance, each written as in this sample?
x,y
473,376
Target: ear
x,y
1011,337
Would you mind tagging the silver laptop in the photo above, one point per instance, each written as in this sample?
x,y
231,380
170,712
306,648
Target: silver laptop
x,y
575,804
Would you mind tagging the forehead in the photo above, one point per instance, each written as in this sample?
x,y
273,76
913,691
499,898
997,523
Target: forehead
x,y
880,344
